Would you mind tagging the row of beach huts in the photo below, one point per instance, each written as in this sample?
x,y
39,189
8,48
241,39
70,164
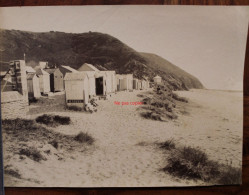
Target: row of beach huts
x,y
80,86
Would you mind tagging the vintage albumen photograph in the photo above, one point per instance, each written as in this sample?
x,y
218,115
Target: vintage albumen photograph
x,y
122,96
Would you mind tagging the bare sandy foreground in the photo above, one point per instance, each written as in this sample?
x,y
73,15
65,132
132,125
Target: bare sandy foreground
x,y
212,121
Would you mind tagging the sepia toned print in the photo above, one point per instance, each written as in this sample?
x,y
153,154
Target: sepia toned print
x,y
122,96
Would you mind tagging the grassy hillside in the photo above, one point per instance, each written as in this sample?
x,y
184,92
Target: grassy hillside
x,y
101,50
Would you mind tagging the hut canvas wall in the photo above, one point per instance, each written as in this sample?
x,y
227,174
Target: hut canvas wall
x,y
45,80
91,83
108,82
33,86
36,85
58,80
130,81
135,83
114,82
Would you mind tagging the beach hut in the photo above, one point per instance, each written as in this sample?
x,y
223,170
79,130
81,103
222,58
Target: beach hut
x,y
33,83
33,86
43,65
124,81
139,84
135,84
144,84
157,79
77,89
56,79
44,80
87,67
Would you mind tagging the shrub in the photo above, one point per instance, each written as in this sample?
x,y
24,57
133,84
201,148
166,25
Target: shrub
x,y
53,120
32,153
84,138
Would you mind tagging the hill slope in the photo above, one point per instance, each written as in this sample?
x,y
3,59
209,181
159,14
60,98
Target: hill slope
x,y
101,50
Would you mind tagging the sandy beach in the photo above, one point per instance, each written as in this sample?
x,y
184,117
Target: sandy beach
x,y
124,152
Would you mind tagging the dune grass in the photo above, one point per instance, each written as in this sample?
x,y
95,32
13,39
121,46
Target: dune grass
x,y
33,153
167,145
12,172
53,120
192,163
161,106
23,130
84,138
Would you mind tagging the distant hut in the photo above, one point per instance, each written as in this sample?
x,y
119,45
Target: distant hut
x,y
124,81
88,67
44,80
157,79
144,84
56,79
135,84
43,65
77,89
33,86
139,84
33,83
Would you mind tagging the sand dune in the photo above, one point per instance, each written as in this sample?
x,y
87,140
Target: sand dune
x,y
124,153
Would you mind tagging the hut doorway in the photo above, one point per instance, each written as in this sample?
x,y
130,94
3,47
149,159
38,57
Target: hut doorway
x,y
99,86
52,82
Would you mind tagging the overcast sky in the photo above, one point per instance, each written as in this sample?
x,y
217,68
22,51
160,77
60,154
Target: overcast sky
x,y
206,41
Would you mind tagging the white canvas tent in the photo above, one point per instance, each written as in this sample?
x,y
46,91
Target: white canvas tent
x,y
77,89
